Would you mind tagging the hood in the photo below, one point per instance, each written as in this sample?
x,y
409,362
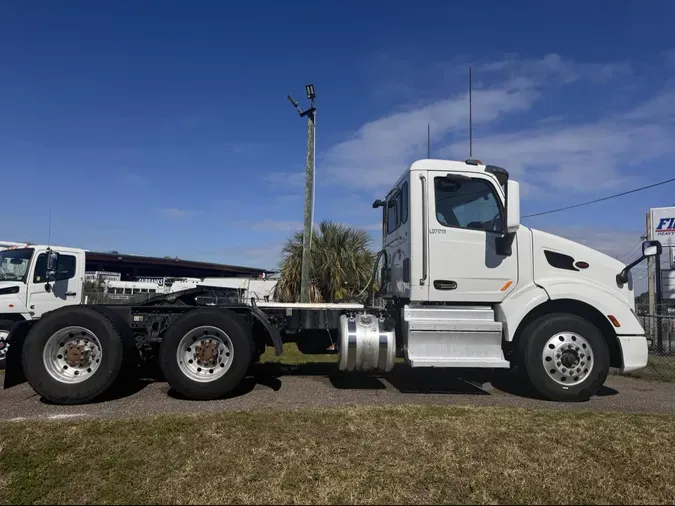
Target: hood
x,y
8,284
555,256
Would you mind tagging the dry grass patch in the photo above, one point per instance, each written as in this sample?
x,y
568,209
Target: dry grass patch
x,y
412,454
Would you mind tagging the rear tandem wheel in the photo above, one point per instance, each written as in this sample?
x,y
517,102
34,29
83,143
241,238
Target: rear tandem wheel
x,y
206,353
75,354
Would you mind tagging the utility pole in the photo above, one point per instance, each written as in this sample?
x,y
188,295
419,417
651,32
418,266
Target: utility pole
x,y
651,268
309,190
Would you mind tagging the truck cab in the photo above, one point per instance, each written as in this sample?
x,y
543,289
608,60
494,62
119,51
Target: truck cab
x,y
31,287
471,280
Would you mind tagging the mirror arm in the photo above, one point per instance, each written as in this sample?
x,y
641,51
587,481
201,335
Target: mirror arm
x,y
622,277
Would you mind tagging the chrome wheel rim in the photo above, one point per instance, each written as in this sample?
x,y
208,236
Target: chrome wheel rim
x,y
72,355
568,358
4,334
205,354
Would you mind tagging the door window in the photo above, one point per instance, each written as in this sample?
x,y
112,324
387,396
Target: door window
x,y
65,268
470,204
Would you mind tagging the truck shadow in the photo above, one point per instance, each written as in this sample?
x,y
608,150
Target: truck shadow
x,y
403,378
406,379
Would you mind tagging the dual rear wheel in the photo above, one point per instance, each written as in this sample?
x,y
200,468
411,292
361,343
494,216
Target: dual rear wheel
x,y
76,354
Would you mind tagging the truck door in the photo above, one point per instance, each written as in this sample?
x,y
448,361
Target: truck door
x,y
465,222
64,291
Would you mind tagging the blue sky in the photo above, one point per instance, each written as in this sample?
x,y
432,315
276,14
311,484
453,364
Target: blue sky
x,y
163,127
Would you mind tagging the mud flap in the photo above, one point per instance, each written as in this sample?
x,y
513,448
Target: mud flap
x,y
13,369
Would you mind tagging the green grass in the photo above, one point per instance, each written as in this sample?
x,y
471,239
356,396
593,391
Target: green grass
x,y
293,356
412,454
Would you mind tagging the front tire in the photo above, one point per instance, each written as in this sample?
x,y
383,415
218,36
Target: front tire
x,y
206,353
565,357
73,355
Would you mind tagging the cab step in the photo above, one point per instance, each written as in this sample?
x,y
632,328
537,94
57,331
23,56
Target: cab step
x,y
459,336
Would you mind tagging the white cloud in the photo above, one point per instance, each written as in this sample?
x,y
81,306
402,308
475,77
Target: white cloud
x,y
377,153
555,69
586,157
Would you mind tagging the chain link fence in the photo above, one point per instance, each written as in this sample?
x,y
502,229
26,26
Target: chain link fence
x,y
660,330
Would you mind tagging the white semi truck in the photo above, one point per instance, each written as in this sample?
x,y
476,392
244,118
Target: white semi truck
x,y
462,285
24,287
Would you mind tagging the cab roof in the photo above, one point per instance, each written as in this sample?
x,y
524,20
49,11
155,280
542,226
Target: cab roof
x,y
469,165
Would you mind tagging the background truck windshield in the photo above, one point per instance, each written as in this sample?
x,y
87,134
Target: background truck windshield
x,y
14,264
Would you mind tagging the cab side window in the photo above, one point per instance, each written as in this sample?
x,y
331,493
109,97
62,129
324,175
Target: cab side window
x,y
64,270
393,215
470,204
397,209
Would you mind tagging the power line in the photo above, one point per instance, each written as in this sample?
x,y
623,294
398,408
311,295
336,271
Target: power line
x,y
632,250
640,279
601,199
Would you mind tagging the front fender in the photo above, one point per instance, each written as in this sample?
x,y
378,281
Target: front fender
x,y
13,368
604,300
517,305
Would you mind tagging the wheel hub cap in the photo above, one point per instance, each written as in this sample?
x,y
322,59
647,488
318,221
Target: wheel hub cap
x,y
205,354
72,354
568,358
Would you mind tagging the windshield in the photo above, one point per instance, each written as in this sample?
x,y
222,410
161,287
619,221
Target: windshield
x,y
14,264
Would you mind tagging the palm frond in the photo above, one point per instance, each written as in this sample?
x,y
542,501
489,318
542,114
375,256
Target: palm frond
x,y
341,264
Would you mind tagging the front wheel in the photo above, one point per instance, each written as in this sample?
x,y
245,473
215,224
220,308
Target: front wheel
x,y
565,357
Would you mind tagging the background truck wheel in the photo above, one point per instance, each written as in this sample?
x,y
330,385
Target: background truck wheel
x,y
73,355
206,353
565,357
5,327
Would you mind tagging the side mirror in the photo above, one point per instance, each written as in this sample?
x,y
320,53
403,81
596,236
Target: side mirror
x,y
52,262
651,249
378,203
512,206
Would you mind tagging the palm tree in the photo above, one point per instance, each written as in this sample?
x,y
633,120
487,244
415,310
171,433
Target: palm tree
x,y
341,264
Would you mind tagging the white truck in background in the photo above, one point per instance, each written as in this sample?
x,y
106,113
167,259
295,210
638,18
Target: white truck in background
x,y
26,294
463,285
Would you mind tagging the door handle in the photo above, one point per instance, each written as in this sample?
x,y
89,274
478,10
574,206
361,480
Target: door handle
x,y
442,284
71,294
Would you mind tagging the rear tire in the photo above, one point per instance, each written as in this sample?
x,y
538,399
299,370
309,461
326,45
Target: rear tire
x,y
73,355
564,357
206,353
5,327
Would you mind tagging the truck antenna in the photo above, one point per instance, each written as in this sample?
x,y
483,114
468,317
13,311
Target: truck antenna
x,y
428,140
49,230
470,120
